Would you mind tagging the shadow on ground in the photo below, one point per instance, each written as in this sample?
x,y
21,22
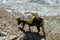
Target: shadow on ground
x,y
31,35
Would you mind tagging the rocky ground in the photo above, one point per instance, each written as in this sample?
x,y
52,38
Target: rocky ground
x,y
9,28
52,27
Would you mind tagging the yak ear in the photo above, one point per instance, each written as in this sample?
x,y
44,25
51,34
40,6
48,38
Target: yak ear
x,y
17,18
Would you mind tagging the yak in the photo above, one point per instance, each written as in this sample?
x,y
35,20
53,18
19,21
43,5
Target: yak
x,y
37,21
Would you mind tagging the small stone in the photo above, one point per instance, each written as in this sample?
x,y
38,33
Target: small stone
x,y
1,38
42,39
3,33
13,37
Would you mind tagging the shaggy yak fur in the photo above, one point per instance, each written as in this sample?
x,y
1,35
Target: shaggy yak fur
x,y
37,21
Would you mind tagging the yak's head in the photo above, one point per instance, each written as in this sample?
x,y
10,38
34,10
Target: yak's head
x,y
18,20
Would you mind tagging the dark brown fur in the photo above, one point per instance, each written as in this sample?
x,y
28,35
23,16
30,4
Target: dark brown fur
x,y
37,21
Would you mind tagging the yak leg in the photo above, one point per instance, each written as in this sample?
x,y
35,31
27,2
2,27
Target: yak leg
x,y
29,28
38,27
23,25
42,26
43,29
